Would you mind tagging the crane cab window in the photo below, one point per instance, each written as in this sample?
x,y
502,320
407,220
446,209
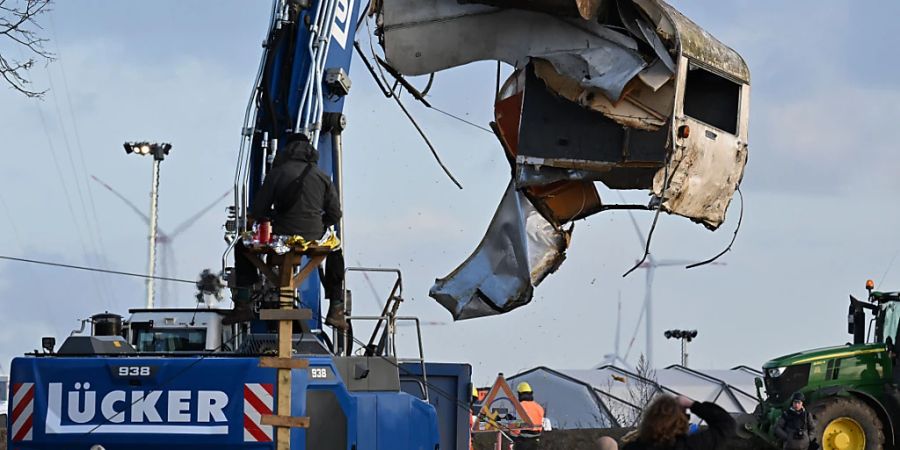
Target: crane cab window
x,y
712,99
162,340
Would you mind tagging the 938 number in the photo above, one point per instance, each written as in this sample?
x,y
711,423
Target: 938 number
x,y
134,371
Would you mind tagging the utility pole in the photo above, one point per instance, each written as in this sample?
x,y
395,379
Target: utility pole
x,y
159,152
685,336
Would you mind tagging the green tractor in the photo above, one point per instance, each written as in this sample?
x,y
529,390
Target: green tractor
x,y
852,390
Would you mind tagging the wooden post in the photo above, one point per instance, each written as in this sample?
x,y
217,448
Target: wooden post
x,y
285,315
287,291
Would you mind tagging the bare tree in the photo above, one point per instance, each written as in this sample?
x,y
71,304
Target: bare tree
x,y
640,392
19,28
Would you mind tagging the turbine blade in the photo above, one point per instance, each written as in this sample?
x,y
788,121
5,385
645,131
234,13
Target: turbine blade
x,y
193,219
127,202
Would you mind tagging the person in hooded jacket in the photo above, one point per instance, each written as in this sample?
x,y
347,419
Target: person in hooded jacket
x,y
298,198
796,427
665,422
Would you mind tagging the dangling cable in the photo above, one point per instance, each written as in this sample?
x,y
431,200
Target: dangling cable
x,y
427,142
381,64
733,238
662,197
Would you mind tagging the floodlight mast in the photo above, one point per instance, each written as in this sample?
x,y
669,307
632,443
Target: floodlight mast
x,y
159,152
684,336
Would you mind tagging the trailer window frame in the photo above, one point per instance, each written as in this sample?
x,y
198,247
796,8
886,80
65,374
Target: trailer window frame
x,y
702,85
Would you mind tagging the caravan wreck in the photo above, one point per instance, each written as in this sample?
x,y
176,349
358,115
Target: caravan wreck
x,y
630,93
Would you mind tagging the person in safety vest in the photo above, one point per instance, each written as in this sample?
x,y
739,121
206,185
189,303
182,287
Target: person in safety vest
x,y
528,438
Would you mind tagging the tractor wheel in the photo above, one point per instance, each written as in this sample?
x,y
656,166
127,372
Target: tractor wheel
x,y
848,424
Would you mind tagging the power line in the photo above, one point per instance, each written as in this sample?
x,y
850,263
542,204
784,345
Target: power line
x,y
65,189
77,134
90,225
63,184
486,130
93,269
90,220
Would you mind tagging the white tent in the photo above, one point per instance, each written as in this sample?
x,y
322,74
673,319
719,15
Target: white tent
x,y
610,396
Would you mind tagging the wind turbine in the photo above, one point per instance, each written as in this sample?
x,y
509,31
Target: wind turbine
x,y
169,265
649,266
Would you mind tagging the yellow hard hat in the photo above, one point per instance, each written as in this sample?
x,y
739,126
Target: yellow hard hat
x,y
524,388
474,391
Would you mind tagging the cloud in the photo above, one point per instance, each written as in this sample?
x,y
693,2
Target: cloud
x,y
840,137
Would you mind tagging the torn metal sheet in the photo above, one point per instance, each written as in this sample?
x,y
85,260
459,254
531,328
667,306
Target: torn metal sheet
x,y
481,32
519,250
639,28
656,75
606,68
654,10
640,108
560,200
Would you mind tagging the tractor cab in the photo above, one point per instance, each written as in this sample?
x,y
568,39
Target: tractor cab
x,y
887,316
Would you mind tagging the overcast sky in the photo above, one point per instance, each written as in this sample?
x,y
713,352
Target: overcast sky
x,y
821,211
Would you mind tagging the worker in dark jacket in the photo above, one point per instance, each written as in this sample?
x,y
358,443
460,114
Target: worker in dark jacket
x,y
296,195
796,427
298,198
665,421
